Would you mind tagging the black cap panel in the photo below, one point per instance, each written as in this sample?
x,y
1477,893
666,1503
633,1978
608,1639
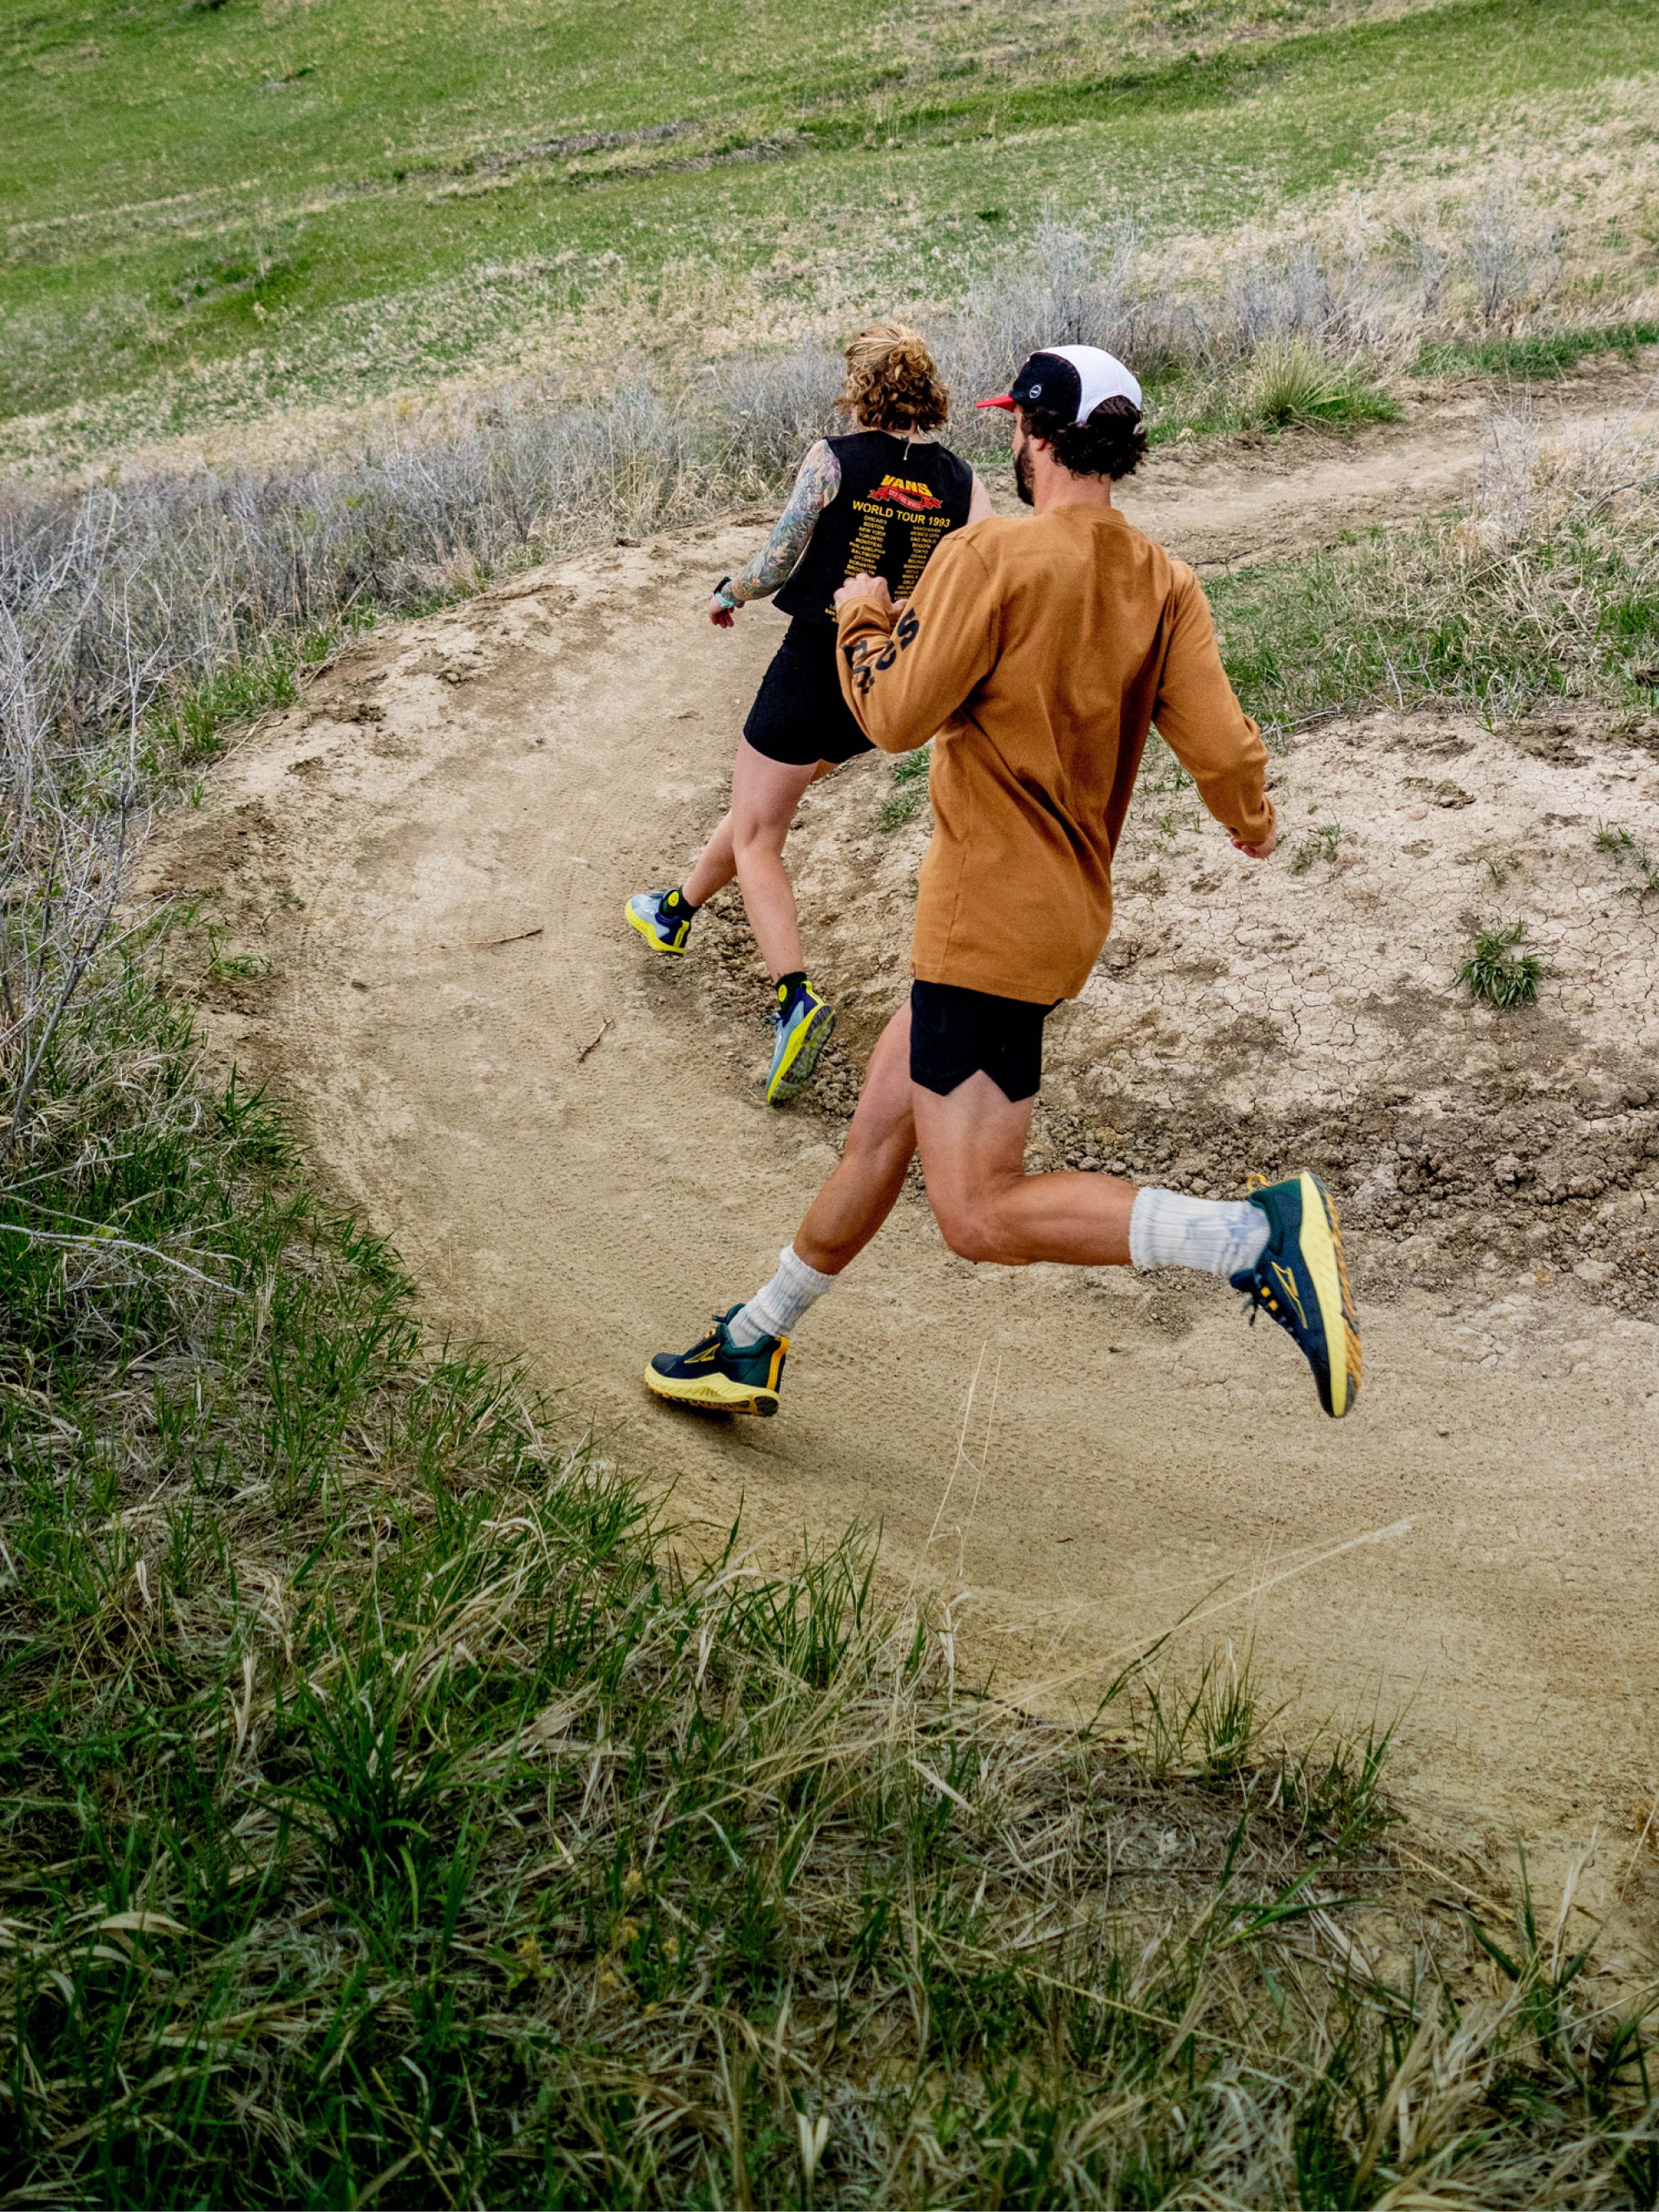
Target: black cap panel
x,y
1049,381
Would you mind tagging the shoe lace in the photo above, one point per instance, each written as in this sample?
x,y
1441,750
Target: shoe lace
x,y
1262,1298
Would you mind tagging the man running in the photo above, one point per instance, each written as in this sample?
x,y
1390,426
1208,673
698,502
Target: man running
x,y
1042,651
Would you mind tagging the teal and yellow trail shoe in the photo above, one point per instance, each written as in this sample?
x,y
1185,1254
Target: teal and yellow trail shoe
x,y
664,919
805,1024
1302,1280
724,1376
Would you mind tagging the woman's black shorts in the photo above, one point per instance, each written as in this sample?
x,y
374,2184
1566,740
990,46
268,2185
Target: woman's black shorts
x,y
799,716
956,1033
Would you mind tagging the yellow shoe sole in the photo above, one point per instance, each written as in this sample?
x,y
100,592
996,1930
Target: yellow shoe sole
x,y
716,1394
1321,1241
808,1041
650,935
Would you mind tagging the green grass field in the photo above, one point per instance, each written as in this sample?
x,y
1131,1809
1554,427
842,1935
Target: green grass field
x,y
244,205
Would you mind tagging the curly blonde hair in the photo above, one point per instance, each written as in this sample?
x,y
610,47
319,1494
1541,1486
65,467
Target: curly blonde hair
x,y
892,382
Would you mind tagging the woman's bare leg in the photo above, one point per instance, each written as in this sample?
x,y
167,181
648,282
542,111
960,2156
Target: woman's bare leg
x,y
748,842
717,863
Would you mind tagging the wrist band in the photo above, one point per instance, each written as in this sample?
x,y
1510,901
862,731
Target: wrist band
x,y
725,601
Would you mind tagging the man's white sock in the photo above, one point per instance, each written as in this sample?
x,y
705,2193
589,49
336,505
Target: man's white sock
x,y
1222,1235
776,1309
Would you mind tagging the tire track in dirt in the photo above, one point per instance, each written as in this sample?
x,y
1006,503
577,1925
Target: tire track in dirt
x,y
1084,1459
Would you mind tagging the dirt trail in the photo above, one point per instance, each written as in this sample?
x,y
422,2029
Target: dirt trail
x,y
565,1136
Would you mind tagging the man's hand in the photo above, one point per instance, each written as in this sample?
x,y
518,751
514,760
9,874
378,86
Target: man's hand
x,y
1261,851
719,614
867,587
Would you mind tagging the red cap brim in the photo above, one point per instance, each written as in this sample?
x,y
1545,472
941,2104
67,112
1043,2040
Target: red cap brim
x,y
1004,402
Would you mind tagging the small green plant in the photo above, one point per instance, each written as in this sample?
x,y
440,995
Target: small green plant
x,y
1160,771
1613,837
1494,971
1319,844
224,967
1292,381
1211,1726
910,790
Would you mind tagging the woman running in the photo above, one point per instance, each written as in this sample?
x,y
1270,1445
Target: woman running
x,y
875,503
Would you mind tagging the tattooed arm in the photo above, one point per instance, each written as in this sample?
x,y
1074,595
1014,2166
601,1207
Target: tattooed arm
x,y
818,481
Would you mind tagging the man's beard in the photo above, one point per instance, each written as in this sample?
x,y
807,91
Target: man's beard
x,y
1023,474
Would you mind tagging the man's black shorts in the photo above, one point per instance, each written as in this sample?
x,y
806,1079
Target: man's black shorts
x,y
955,1034
798,715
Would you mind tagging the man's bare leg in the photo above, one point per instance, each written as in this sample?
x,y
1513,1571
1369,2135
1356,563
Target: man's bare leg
x,y
973,1155
737,1368
972,1143
980,1191
863,1189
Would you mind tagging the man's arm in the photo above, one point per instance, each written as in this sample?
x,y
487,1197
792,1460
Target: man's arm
x,y
1208,732
905,670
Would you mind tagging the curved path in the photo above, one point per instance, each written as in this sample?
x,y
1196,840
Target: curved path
x,y
571,1165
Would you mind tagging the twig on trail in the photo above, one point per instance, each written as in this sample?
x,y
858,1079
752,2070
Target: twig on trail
x,y
1280,729
1429,1866
1647,1829
582,1050
485,943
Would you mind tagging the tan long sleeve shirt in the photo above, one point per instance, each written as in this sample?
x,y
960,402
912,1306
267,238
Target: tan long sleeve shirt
x,y
1041,649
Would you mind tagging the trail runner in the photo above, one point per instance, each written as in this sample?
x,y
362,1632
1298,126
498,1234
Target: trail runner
x,y
877,503
1041,650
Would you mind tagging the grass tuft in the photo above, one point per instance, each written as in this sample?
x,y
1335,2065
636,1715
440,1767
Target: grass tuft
x,y
1538,355
910,773
1613,837
1319,844
1494,971
1292,381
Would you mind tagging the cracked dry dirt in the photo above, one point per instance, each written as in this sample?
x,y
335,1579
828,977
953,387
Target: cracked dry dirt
x,y
1475,1550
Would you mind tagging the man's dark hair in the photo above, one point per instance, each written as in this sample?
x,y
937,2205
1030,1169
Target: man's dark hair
x,y
1111,443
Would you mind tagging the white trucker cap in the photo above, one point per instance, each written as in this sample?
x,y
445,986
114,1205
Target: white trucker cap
x,y
1069,382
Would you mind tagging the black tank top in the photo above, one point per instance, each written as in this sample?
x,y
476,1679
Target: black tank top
x,y
896,503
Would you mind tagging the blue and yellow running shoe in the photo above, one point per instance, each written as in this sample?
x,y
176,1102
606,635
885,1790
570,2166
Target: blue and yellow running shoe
x,y
664,919
724,1376
805,1024
1302,1280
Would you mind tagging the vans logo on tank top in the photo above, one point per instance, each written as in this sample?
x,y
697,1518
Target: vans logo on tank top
x,y
884,521
902,493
